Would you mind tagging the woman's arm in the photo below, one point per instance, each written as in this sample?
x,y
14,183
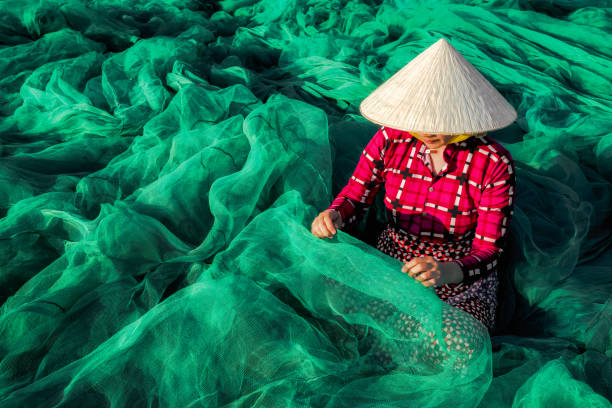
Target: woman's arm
x,y
357,196
495,211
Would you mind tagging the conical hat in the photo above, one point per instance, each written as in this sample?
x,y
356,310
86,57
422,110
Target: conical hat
x,y
438,92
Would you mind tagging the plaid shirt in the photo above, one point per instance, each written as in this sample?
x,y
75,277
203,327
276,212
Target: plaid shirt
x,y
471,198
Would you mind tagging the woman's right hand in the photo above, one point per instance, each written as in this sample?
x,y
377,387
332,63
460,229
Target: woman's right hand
x,y
325,224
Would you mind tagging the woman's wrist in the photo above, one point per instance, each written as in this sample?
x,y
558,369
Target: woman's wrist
x,y
336,217
454,272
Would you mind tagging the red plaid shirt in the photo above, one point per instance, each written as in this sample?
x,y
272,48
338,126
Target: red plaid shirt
x,y
472,196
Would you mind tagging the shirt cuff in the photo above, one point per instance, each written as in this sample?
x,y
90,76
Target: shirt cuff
x,y
478,269
470,274
347,211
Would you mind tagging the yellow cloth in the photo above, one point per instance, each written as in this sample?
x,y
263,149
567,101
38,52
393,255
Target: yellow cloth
x,y
459,138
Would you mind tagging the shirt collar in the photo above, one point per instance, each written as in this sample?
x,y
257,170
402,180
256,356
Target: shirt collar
x,y
450,152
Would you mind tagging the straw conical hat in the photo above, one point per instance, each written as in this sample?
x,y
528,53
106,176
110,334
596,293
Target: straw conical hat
x,y
438,92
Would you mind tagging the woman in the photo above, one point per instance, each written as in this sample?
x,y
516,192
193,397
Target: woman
x,y
449,189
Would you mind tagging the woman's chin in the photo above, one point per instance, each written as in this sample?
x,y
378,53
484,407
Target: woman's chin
x,y
434,144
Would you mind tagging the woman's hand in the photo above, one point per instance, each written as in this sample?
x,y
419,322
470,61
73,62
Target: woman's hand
x,y
324,226
431,272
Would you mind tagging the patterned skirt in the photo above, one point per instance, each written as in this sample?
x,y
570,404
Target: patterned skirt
x,y
463,337
478,299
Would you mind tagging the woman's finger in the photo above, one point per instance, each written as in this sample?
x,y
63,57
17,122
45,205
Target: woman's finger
x,y
415,270
425,276
317,229
410,264
427,263
329,223
313,227
429,282
323,229
416,261
420,267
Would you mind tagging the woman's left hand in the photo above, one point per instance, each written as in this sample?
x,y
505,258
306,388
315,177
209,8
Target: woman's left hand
x,y
431,272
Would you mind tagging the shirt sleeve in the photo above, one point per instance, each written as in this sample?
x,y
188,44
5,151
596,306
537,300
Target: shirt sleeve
x,y
357,196
495,211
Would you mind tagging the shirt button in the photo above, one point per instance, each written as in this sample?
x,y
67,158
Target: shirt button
x,y
431,189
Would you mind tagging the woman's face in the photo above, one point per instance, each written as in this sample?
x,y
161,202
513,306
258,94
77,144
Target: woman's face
x,y
434,141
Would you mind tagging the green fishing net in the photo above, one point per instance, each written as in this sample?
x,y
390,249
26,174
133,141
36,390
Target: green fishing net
x,y
161,164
